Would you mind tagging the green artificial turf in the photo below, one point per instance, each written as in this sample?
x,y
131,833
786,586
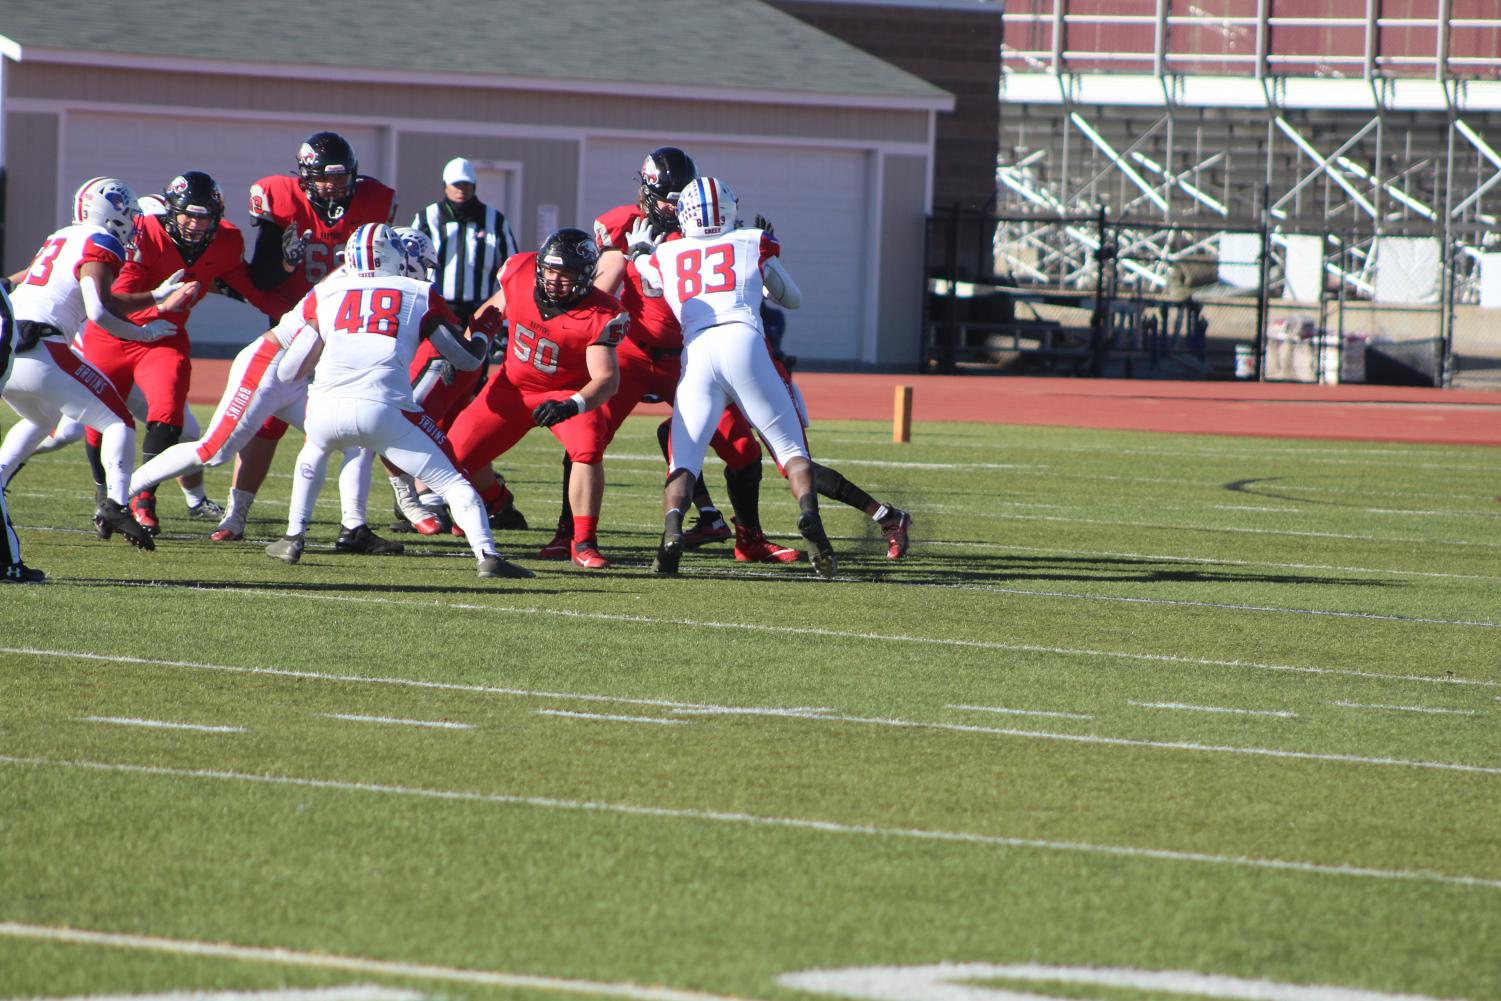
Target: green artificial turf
x,y
1133,702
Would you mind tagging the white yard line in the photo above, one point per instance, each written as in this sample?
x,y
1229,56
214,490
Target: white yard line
x,y
434,724
158,724
607,716
1172,659
1407,709
1022,712
355,964
1279,713
755,820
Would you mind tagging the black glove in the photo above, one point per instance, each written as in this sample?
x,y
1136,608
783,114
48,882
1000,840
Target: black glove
x,y
553,412
294,244
763,223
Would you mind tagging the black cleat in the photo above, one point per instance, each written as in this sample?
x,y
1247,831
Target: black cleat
x,y
669,554
362,540
20,573
111,517
810,527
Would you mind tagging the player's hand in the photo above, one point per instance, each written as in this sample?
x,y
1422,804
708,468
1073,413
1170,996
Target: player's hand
x,y
640,239
553,412
294,245
488,323
158,330
763,223
166,288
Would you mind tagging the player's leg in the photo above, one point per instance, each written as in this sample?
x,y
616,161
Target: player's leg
x,y
585,438
488,427
52,380
417,447
115,360
329,426
162,372
761,394
355,536
895,523
699,401
65,433
252,463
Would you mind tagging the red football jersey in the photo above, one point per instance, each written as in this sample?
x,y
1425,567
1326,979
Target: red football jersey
x,y
281,200
156,257
547,353
652,324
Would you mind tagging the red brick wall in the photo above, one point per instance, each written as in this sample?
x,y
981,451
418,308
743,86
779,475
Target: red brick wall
x,y
959,51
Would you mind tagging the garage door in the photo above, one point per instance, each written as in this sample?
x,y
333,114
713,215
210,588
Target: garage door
x,y
236,154
818,200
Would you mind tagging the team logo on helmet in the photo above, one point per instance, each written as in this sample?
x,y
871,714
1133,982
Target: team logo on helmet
x,y
649,172
178,186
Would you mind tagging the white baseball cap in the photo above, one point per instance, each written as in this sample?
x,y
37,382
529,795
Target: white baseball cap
x,y
459,170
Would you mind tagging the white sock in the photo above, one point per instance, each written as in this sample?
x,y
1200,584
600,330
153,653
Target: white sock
x,y
194,495
239,506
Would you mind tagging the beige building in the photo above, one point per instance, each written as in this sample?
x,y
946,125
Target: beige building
x,y
556,103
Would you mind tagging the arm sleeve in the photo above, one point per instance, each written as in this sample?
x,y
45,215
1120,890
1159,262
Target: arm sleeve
x,y
93,305
442,327
779,284
266,271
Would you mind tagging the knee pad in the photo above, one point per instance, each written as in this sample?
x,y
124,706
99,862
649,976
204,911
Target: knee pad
x,y
159,437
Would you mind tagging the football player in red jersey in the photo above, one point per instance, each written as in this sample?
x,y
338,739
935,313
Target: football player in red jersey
x,y
189,244
302,223
559,368
650,359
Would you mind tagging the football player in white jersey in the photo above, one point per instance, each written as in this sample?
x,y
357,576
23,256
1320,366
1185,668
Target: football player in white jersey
x,y
713,279
370,321
69,281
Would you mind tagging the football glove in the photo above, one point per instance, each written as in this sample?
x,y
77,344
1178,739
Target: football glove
x,y
166,288
640,239
294,244
763,223
552,412
157,330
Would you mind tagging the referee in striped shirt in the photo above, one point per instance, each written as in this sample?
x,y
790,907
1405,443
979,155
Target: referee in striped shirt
x,y
473,240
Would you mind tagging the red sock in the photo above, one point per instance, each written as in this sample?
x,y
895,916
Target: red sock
x,y
584,529
493,496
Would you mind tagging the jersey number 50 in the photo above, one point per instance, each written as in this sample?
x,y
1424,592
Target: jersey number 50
x,y
542,353
692,282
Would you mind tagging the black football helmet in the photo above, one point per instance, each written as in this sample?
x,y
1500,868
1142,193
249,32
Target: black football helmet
x,y
327,170
192,193
665,172
571,251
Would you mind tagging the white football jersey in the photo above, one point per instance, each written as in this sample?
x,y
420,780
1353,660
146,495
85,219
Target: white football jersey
x,y
49,293
712,280
371,327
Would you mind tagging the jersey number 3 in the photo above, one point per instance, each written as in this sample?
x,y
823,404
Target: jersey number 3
x,y
382,317
720,262
41,268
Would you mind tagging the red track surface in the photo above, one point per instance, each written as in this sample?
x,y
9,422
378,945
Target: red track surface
x,y
1278,410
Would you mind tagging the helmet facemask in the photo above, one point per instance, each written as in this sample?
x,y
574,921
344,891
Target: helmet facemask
x,y
327,172
664,173
565,267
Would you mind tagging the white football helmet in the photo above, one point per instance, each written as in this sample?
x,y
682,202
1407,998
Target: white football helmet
x,y
422,256
107,202
707,207
375,249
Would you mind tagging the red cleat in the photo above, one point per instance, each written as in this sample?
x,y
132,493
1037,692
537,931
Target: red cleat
x,y
586,554
752,546
707,529
226,535
560,548
143,507
896,526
